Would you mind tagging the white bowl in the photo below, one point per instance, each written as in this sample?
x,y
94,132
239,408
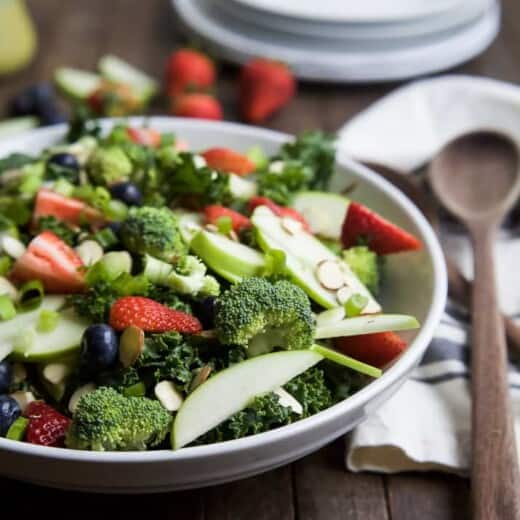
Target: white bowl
x,y
416,284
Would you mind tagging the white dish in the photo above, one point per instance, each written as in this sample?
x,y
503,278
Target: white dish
x,y
156,471
340,10
322,60
465,12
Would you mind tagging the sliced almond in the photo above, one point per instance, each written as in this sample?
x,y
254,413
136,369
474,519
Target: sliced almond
x,y
56,373
12,246
131,345
287,400
233,236
23,399
291,225
212,228
207,334
90,252
344,294
78,394
201,376
330,275
168,395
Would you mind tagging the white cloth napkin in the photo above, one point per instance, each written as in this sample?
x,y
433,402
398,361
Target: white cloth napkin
x,y
426,424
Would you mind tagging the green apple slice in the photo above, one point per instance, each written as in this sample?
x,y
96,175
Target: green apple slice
x,y
31,345
231,260
119,71
368,324
347,361
233,389
75,83
304,253
325,212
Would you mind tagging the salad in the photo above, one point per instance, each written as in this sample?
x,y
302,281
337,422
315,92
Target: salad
x,y
155,295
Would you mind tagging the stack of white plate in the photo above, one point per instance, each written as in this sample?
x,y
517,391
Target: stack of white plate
x,y
342,40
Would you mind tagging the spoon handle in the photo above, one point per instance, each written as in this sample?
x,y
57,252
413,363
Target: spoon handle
x,y
495,475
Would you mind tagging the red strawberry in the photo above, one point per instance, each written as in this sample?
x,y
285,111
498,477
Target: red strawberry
x,y
46,427
265,86
188,69
145,136
52,261
201,106
280,211
228,161
375,349
238,221
383,237
150,316
69,210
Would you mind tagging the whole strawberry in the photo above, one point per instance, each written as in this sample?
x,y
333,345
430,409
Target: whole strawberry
x,y
227,160
265,86
201,106
150,316
189,70
46,427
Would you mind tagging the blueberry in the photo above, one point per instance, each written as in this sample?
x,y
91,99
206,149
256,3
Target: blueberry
x,y
115,227
205,310
64,160
9,412
29,101
99,348
127,192
6,376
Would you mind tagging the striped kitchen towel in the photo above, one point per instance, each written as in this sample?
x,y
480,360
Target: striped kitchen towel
x,y
426,424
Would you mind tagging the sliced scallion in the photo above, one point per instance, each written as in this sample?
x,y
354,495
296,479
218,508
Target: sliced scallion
x,y
7,309
355,304
137,390
16,431
106,238
224,225
47,320
31,295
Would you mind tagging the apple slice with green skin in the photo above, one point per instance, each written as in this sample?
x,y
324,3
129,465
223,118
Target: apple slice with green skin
x,y
31,345
368,324
325,212
231,260
347,361
304,253
75,83
234,388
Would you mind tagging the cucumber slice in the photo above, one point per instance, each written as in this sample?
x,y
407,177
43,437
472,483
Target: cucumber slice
x,y
33,346
119,71
325,212
17,125
75,83
366,325
303,254
231,260
233,389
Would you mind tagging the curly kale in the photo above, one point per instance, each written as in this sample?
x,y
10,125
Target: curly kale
x,y
168,297
15,161
311,391
59,228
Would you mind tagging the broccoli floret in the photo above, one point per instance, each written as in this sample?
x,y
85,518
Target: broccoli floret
x,y
188,276
261,315
153,231
105,420
365,265
108,165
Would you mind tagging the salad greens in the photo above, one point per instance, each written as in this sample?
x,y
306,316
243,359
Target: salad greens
x,y
146,290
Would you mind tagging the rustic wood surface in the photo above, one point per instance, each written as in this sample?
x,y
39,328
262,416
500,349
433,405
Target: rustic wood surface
x,y
77,33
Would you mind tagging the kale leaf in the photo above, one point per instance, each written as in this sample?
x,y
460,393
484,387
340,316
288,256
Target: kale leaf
x,y
60,229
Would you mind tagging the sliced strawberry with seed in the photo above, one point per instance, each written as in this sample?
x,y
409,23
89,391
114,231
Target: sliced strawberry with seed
x,y
377,349
228,160
363,225
145,136
46,427
238,221
52,261
150,316
280,211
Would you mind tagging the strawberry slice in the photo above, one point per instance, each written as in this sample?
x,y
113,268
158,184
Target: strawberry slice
x,y
145,136
52,261
380,235
46,427
150,316
238,221
69,210
280,211
375,349
228,161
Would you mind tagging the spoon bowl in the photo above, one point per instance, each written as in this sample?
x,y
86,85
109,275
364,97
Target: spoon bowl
x,y
477,176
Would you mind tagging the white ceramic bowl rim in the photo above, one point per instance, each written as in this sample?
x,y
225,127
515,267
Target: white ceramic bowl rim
x,y
360,398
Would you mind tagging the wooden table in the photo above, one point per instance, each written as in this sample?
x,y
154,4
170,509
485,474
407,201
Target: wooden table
x,y
77,33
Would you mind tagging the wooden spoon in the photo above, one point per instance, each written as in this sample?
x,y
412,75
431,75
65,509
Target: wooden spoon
x,y
477,178
459,287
